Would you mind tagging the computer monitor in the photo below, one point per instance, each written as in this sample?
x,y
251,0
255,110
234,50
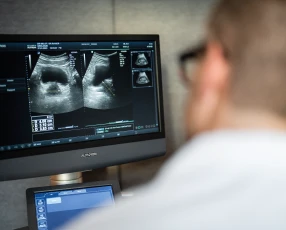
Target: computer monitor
x,y
72,103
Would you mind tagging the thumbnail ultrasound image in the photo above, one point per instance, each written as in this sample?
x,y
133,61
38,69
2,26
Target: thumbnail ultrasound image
x,y
55,86
142,79
141,59
104,85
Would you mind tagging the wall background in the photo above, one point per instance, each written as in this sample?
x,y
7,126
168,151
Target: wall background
x,y
180,24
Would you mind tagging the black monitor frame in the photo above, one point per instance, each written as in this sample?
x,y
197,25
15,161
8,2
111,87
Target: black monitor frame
x,y
86,147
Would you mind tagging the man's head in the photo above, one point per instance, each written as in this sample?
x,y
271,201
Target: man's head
x,y
243,68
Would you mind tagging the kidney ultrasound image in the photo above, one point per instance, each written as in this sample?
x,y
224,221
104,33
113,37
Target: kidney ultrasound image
x,y
55,86
98,84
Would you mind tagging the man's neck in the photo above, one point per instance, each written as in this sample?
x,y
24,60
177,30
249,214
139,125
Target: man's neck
x,y
233,118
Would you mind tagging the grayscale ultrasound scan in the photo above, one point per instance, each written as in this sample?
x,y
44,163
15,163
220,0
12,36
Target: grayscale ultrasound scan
x,y
141,60
142,79
55,86
98,84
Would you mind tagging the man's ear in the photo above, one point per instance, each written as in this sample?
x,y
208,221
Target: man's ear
x,y
216,69
211,90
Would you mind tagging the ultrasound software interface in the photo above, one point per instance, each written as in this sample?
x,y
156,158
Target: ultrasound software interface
x,y
56,93
55,209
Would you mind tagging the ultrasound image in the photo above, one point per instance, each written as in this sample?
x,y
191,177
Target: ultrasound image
x,y
55,86
142,79
141,60
99,91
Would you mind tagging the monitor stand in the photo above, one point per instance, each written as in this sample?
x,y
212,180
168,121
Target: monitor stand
x,y
66,178
109,173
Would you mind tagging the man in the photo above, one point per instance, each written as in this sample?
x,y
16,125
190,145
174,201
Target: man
x,y
232,174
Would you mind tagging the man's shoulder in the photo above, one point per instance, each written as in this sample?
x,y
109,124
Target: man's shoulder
x,y
226,148
221,179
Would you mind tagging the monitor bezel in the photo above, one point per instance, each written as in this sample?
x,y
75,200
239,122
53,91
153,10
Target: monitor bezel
x,y
35,151
30,196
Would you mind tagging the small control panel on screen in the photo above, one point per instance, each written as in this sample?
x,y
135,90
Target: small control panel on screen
x,y
55,93
55,209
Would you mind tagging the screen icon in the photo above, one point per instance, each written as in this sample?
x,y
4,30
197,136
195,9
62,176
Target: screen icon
x,y
42,216
40,209
40,202
42,224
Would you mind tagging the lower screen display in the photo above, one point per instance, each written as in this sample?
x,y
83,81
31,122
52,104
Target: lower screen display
x,y
55,209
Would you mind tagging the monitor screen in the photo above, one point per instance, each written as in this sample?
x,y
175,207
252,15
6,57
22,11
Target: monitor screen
x,y
55,93
73,94
54,209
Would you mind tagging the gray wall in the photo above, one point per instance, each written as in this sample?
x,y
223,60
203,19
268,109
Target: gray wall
x,y
179,23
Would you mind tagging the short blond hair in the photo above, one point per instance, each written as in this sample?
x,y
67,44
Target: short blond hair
x,y
253,34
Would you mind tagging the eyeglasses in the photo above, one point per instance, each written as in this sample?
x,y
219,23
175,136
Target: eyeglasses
x,y
189,60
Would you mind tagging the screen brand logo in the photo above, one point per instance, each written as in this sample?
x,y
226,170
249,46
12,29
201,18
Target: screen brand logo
x,y
89,155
